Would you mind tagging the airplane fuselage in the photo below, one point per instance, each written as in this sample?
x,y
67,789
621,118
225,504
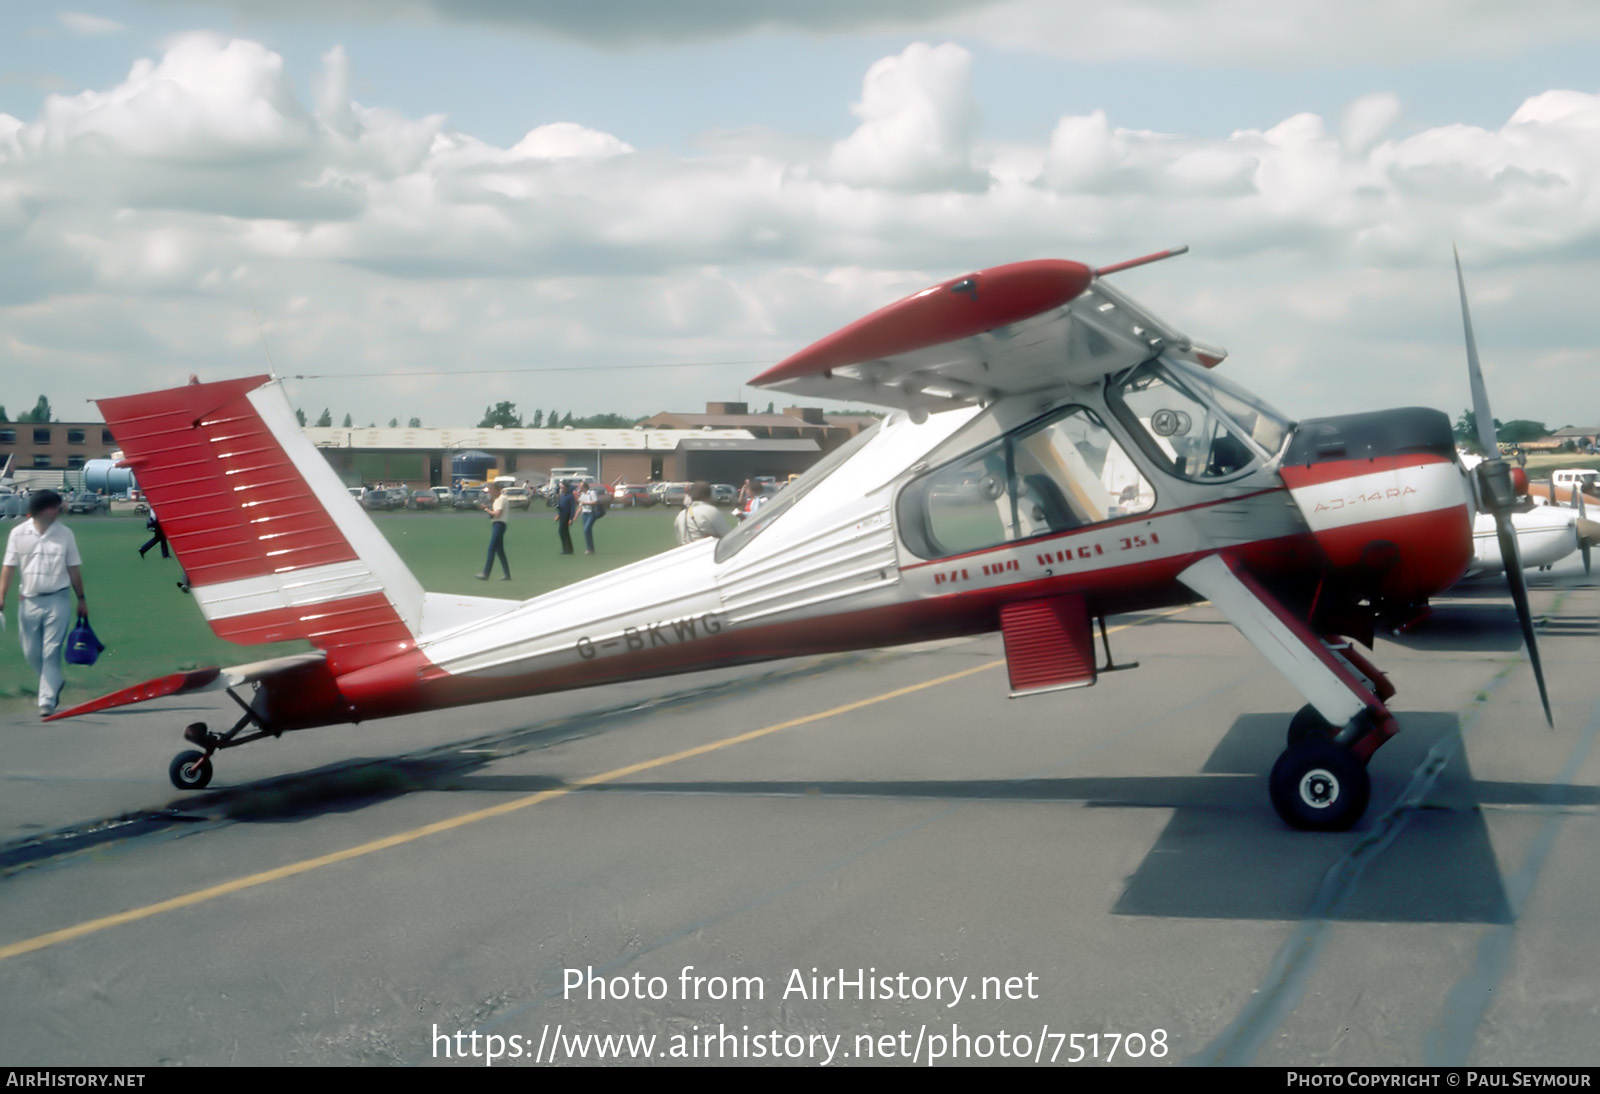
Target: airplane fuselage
x,y
846,560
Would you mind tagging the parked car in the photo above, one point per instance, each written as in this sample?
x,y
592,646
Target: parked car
x,y
86,502
723,493
518,497
470,498
423,499
375,500
673,493
632,496
445,495
398,497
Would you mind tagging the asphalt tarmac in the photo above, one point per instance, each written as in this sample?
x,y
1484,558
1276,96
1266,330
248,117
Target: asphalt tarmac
x,y
866,858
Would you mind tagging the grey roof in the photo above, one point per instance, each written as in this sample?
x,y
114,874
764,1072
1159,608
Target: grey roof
x,y
701,443
511,440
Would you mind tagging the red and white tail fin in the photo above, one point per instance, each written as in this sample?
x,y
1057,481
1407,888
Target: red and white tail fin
x,y
272,543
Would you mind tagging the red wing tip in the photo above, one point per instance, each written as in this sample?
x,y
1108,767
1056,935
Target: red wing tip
x,y
1026,288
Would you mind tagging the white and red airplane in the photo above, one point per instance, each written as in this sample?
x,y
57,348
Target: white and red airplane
x,y
1057,455
1546,532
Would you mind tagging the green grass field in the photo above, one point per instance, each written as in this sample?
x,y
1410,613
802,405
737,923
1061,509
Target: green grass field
x,y
150,628
1540,465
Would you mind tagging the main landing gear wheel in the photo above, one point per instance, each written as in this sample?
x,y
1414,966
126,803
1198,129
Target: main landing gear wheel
x,y
190,770
1319,786
1307,725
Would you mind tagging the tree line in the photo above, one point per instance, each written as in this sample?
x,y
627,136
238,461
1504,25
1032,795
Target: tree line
x,y
41,412
501,414
1516,431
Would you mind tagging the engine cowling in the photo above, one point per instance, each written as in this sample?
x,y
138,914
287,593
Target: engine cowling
x,y
1387,500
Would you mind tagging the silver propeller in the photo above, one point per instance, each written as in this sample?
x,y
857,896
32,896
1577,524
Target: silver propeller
x,y
1499,497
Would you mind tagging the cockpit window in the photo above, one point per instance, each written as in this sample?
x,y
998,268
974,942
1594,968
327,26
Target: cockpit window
x,y
1061,473
1263,426
1194,436
763,518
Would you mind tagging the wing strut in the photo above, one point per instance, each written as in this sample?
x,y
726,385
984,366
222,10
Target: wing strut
x,y
1329,682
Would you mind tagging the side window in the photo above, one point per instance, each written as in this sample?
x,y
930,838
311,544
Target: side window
x,y
1179,428
1055,475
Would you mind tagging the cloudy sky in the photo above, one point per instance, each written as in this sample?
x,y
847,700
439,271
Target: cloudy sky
x,y
635,205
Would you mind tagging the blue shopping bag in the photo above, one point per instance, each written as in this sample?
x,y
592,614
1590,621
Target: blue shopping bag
x,y
83,648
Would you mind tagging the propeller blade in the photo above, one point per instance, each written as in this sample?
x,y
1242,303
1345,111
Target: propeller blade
x,y
1519,596
1480,396
1585,527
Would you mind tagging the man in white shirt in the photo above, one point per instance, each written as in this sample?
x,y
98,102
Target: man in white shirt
x,y
497,532
43,554
700,518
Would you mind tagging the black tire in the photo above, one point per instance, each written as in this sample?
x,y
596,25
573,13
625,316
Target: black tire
x,y
1319,787
190,770
1307,724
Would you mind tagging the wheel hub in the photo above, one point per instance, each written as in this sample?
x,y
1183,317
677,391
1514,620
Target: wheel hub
x,y
1319,788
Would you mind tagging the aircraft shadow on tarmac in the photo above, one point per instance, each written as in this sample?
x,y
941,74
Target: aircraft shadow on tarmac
x,y
1223,854
1485,621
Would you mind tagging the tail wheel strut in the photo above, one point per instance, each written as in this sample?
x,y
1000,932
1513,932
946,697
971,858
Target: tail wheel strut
x,y
191,770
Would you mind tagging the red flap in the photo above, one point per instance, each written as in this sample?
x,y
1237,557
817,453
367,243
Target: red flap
x,y
1049,644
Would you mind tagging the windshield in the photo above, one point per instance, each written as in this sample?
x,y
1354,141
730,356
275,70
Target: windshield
x,y
780,503
1196,424
1265,427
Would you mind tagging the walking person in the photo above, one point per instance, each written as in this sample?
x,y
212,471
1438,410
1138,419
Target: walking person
x,y
566,507
700,518
589,504
158,538
497,533
43,553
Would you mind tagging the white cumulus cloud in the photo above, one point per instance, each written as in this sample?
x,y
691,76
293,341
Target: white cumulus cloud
x,y
918,116
206,183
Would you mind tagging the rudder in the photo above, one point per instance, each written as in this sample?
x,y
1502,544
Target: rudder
x,y
272,543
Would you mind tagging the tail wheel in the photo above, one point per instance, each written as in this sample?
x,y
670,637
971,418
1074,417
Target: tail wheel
x,y
190,770
1318,786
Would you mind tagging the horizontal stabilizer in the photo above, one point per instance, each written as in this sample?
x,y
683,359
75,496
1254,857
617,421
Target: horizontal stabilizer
x,y
185,683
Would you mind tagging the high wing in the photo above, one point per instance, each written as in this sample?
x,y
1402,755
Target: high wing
x,y
1007,330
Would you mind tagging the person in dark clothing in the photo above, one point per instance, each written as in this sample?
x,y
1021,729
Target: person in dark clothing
x,y
158,538
566,508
